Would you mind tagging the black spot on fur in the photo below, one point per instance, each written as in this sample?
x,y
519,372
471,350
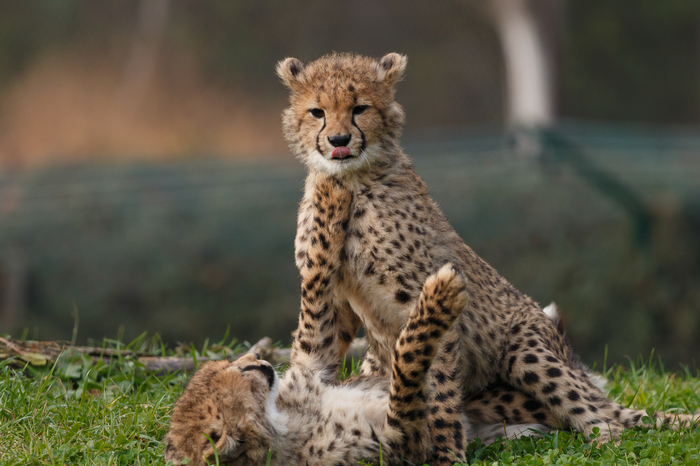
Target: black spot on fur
x,y
530,378
442,397
549,388
517,416
458,429
402,297
532,405
305,346
530,359
511,361
439,423
345,336
500,410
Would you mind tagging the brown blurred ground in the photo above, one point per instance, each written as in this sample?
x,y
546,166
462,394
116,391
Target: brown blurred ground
x,y
67,109
134,80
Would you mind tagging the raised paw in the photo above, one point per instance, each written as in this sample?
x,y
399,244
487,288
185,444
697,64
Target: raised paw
x,y
445,294
443,297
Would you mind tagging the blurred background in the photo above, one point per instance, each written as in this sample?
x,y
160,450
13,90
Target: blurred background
x,y
145,184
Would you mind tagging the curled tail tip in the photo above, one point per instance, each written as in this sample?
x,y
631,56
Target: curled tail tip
x,y
552,312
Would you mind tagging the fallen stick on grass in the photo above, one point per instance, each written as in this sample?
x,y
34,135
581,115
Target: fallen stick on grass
x,y
42,353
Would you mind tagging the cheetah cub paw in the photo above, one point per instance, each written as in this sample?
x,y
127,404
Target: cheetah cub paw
x,y
445,293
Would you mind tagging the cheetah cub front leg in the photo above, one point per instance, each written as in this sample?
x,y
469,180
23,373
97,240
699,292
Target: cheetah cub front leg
x,y
313,345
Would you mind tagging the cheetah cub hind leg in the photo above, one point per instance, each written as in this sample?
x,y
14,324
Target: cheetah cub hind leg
x,y
442,300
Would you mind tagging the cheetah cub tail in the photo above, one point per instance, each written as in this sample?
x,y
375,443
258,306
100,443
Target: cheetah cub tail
x,y
552,311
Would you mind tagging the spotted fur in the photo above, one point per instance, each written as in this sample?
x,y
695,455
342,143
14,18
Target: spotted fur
x,y
306,418
397,236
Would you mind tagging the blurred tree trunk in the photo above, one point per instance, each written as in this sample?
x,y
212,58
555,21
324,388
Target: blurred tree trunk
x,y
143,56
528,32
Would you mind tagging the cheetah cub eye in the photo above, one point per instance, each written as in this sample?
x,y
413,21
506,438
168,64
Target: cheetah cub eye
x,y
360,109
317,113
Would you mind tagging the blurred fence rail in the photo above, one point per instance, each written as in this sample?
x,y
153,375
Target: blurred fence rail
x,y
186,248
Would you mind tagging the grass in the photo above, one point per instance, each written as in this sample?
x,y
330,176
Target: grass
x,y
82,413
639,385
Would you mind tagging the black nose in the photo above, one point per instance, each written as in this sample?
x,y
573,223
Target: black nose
x,y
339,140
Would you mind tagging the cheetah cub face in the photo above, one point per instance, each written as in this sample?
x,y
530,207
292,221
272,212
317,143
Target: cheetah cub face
x,y
342,116
232,403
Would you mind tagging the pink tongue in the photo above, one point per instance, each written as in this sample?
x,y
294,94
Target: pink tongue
x,y
340,152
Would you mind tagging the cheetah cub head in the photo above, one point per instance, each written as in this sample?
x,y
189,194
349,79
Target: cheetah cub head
x,y
233,404
343,116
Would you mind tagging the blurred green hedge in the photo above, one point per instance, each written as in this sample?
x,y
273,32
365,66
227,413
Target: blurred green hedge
x,y
187,248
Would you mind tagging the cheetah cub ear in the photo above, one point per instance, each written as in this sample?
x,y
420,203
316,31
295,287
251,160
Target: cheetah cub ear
x,y
289,70
390,68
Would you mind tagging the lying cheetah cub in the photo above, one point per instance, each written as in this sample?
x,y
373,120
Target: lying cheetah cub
x,y
306,418
343,122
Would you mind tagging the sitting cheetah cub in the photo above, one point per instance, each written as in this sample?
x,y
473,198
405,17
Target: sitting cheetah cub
x,y
344,123
306,418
